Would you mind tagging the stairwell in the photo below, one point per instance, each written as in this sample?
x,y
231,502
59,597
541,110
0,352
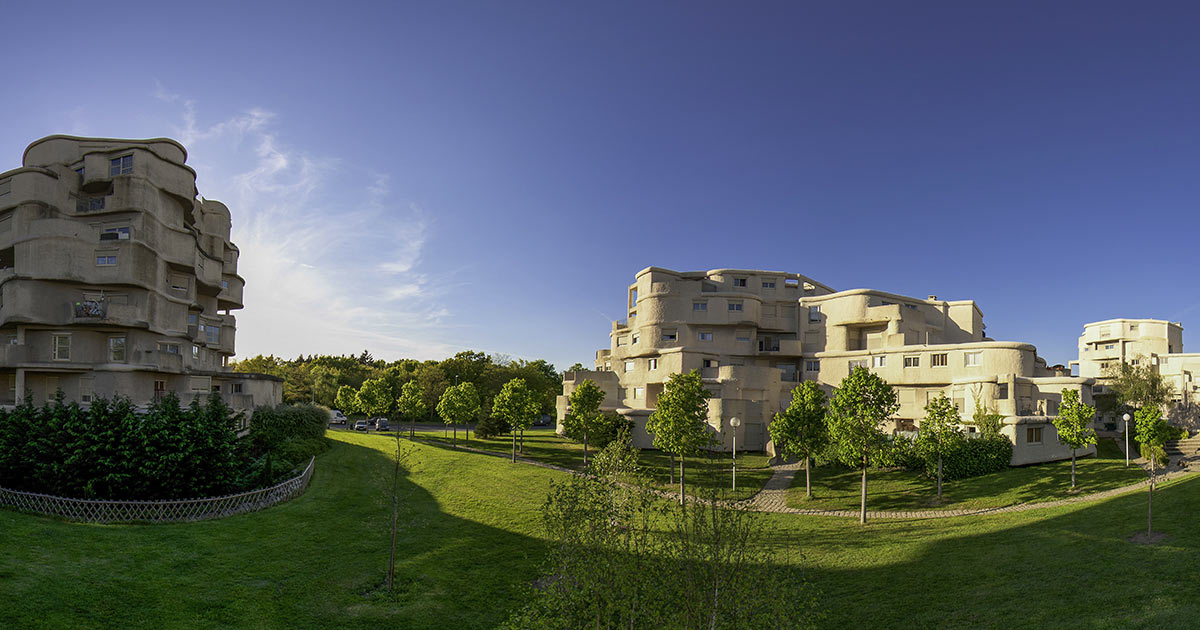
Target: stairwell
x,y
1183,453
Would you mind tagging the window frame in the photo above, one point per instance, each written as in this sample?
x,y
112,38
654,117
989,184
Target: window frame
x,y
122,165
123,351
939,359
55,348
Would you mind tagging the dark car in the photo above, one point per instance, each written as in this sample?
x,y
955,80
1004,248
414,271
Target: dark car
x,y
381,424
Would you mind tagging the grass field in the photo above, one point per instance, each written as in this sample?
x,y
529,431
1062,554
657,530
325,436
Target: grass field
x,y
472,540
838,488
702,473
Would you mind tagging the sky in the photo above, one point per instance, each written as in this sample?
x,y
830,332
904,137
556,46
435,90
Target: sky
x,y
422,178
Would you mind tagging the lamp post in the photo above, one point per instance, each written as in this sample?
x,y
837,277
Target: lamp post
x,y
735,422
1126,419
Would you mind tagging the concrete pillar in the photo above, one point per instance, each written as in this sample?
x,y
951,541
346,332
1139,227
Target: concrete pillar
x,y
20,377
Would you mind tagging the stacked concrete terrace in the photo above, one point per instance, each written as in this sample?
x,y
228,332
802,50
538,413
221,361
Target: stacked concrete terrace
x,y
116,277
755,334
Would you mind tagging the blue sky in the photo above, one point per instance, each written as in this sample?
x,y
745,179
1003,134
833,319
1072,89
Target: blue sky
x,y
421,178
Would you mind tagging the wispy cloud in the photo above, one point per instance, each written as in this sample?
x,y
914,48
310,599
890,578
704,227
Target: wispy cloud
x,y
330,253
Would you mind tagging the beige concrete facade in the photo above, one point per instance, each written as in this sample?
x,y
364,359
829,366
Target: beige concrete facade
x,y
116,277
1141,342
753,335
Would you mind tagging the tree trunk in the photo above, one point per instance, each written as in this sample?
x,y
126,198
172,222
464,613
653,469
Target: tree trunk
x,y
1072,469
807,476
514,437
1150,505
681,494
522,441
585,449
670,469
939,476
862,514
454,441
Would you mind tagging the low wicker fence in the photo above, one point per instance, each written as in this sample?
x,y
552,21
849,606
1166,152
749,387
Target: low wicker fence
x,y
169,511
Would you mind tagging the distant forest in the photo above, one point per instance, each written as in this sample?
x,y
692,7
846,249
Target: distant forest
x,y
318,378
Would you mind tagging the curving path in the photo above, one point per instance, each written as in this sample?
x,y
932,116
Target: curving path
x,y
773,496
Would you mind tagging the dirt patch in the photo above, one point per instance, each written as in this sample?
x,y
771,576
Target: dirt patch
x,y
1154,538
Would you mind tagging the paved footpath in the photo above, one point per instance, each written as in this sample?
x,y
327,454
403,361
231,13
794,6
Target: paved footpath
x,y
773,496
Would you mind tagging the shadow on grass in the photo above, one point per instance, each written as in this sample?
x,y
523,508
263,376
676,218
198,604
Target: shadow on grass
x,y
1012,570
318,561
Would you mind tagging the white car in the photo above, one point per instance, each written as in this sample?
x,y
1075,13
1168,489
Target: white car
x,y
337,417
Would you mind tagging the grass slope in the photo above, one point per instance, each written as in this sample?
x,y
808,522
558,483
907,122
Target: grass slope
x,y
472,541
838,488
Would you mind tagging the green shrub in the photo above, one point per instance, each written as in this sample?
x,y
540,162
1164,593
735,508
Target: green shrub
x,y
282,439
491,427
972,458
899,452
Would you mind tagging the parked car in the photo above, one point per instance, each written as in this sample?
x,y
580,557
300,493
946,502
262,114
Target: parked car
x,y
337,417
360,425
381,424
545,420
370,423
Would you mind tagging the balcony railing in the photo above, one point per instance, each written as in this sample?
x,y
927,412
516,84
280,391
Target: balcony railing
x,y
91,308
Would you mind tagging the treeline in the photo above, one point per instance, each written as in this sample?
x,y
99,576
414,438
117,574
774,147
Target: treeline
x,y
113,450
320,378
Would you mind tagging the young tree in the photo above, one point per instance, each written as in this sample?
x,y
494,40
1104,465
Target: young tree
x,y
583,412
1074,424
516,405
375,397
986,419
860,406
347,399
459,404
801,429
680,423
939,432
1138,386
1151,433
411,405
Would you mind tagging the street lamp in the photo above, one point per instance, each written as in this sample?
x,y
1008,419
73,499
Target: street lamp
x,y
735,422
1126,419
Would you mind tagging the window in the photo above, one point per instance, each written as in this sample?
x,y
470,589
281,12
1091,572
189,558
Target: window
x,y
61,348
216,389
791,283
699,306
879,362
812,366
739,282
768,284
178,283
192,318
939,360
1133,327
742,339
711,363
1133,362
639,393
630,366
670,335
653,364
199,383
195,352
1033,435
168,348
735,306
224,284
857,364
212,334
116,349
621,341
633,297
1002,391
814,313
1110,346
237,388
120,166
117,232
974,359
636,338
705,336
106,259
912,362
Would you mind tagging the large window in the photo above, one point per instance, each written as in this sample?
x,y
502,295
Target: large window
x,y
116,349
912,362
1033,435
940,359
974,359
739,282
212,334
768,284
705,336
120,166
735,306
699,306
814,313
880,361
61,348
630,366
106,259
812,366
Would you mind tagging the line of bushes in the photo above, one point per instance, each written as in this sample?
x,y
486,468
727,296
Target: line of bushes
x,y
963,458
113,450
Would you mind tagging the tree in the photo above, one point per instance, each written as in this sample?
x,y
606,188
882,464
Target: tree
x,y
411,405
940,432
583,412
860,406
516,405
986,419
801,429
680,423
458,405
1137,386
576,367
1074,425
375,397
1151,433
347,399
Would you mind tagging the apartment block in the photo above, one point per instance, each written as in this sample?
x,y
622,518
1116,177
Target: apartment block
x,y
116,277
1141,342
754,335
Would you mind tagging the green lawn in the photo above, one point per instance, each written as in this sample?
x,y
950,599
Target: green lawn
x,y
838,488
471,542
703,473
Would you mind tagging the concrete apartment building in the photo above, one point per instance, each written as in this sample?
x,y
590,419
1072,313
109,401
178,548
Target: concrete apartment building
x,y
753,335
116,277
1153,342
